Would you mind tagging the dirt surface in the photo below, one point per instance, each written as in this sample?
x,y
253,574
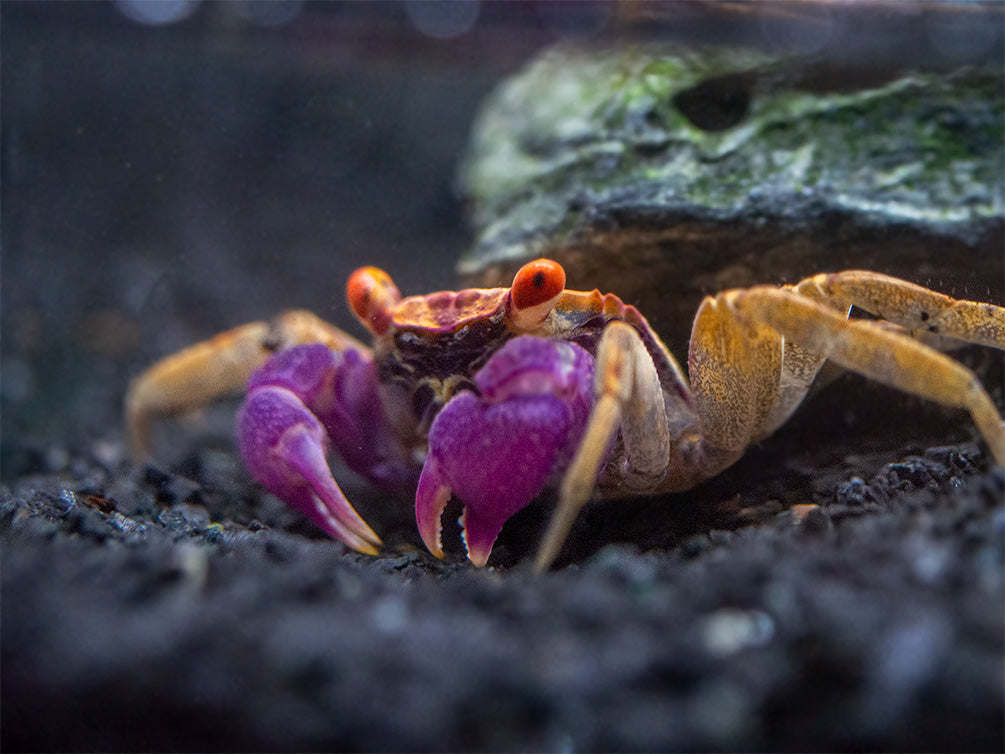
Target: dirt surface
x,y
162,184
147,610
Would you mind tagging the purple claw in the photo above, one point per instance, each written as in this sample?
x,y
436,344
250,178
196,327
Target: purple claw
x,y
341,390
497,450
283,443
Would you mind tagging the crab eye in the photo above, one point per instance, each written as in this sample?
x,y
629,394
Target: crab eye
x,y
372,295
535,290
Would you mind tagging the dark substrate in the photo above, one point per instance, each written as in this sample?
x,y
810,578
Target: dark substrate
x,y
147,609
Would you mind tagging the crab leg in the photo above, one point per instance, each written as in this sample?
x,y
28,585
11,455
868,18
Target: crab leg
x,y
753,355
192,378
217,367
754,352
629,398
885,356
910,306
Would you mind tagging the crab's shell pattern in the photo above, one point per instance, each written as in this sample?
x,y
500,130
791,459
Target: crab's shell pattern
x,y
449,311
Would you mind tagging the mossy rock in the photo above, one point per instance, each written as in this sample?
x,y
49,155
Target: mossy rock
x,y
664,173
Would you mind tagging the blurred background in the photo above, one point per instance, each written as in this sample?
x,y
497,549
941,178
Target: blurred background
x,y
171,169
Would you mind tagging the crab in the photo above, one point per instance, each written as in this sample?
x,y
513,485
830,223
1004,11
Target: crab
x,y
494,396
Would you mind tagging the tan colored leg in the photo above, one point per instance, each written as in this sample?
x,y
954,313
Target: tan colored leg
x,y
735,368
909,310
220,366
753,355
881,354
630,399
912,306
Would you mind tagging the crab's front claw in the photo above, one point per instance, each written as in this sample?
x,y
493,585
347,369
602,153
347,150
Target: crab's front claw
x,y
492,460
498,449
283,445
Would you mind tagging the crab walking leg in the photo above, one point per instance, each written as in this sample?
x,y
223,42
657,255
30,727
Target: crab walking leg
x,y
579,480
192,378
878,353
907,310
911,306
630,399
736,371
217,367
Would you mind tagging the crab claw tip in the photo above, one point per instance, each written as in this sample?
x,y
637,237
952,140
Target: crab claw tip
x,y
346,526
479,558
431,498
331,511
283,445
479,534
478,530
478,553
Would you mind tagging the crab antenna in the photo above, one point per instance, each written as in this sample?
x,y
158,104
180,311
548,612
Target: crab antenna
x,y
372,295
536,288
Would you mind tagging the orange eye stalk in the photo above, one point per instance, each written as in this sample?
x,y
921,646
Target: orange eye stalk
x,y
372,295
535,291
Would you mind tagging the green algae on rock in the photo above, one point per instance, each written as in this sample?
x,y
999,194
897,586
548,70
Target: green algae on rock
x,y
663,173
